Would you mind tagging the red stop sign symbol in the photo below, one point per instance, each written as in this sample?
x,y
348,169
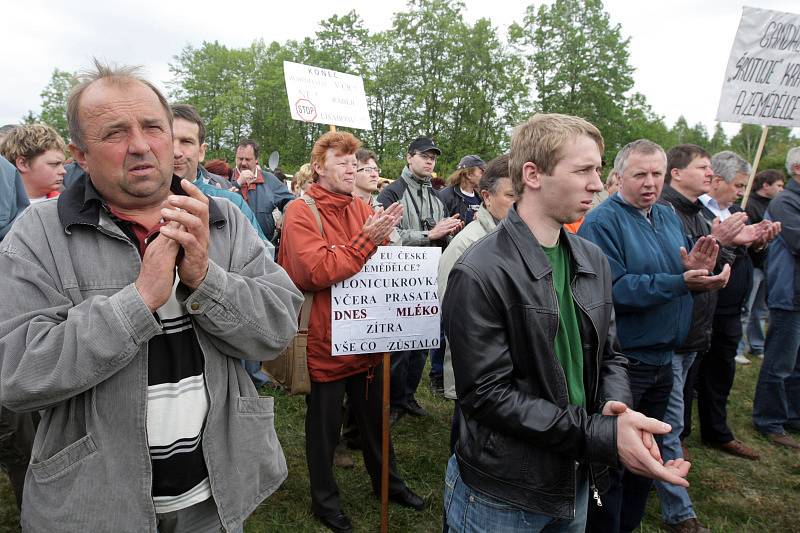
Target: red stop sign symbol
x,y
305,109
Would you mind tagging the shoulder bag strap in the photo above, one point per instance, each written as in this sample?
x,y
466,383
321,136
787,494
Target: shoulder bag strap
x,y
305,311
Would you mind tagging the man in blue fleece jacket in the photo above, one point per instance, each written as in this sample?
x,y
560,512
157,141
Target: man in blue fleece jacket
x,y
653,276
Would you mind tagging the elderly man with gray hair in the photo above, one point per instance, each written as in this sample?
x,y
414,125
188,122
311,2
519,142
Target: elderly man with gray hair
x,y
718,365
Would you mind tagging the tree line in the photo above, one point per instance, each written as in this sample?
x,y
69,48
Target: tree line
x,y
433,73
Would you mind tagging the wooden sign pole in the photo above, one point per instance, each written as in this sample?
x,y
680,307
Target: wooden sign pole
x,y
331,127
385,446
755,166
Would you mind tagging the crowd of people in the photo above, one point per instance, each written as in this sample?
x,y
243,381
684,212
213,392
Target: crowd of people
x,y
144,286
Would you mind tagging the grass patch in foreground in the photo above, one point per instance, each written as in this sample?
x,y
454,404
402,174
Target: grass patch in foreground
x,y
729,494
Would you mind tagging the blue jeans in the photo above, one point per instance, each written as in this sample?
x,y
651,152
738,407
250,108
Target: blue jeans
x,y
470,511
625,500
753,315
676,506
253,369
777,400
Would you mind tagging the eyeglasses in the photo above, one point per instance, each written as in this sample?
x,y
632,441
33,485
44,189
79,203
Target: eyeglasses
x,y
426,157
369,169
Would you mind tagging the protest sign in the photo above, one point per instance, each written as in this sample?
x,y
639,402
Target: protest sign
x,y
325,96
390,305
762,81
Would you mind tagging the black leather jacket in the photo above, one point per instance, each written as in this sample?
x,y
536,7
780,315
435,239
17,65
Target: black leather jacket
x,y
695,226
519,438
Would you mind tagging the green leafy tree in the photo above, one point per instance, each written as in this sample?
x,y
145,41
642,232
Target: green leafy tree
x,y
642,123
54,103
219,82
679,133
432,73
460,83
719,141
578,63
745,142
30,118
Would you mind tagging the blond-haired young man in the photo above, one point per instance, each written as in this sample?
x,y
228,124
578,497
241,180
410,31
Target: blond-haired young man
x,y
542,387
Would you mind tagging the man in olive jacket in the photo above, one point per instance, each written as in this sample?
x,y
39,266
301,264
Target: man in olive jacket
x,y
541,386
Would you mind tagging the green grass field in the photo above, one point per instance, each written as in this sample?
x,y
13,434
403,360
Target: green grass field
x,y
729,494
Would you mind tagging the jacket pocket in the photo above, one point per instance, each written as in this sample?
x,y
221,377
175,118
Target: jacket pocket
x,y
505,457
64,461
255,405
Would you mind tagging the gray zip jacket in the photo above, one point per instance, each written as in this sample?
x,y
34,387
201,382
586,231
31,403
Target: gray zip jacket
x,y
74,333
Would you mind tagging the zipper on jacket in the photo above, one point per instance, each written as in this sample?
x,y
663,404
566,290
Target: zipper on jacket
x,y
598,360
593,487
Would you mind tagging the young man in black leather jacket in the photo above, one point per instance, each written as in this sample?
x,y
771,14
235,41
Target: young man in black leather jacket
x,y
542,387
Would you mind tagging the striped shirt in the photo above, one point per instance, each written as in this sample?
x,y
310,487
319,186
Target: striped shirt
x,y
177,404
177,401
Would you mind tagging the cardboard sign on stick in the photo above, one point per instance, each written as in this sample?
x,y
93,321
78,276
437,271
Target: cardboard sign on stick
x,y
762,81
391,305
325,96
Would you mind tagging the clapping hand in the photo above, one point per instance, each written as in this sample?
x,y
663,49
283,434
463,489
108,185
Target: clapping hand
x,y
703,255
380,224
191,232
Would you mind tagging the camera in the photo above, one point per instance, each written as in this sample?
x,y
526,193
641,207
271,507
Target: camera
x,y
428,223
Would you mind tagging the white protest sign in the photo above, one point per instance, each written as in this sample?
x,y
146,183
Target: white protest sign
x,y
390,305
325,96
762,81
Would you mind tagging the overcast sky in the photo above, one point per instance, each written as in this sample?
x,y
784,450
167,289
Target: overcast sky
x,y
679,48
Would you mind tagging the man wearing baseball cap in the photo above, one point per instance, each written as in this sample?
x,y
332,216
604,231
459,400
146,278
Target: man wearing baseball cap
x,y
425,222
461,196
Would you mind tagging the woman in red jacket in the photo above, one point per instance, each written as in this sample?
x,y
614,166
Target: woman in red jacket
x,y
351,232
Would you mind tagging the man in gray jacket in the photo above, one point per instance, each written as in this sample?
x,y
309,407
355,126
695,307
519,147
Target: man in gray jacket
x,y
424,223
124,308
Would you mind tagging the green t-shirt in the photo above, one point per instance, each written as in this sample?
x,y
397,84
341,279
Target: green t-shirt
x,y
568,346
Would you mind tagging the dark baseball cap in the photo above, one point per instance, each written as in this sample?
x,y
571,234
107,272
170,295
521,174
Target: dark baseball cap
x,y
470,161
423,144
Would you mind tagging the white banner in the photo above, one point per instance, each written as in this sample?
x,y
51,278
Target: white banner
x,y
391,305
325,96
762,81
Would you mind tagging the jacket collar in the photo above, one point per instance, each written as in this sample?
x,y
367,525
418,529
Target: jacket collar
x,y
327,199
617,197
679,201
532,253
485,219
81,203
793,186
413,180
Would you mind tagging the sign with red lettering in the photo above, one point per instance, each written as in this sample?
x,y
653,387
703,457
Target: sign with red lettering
x,y
762,81
326,96
391,305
